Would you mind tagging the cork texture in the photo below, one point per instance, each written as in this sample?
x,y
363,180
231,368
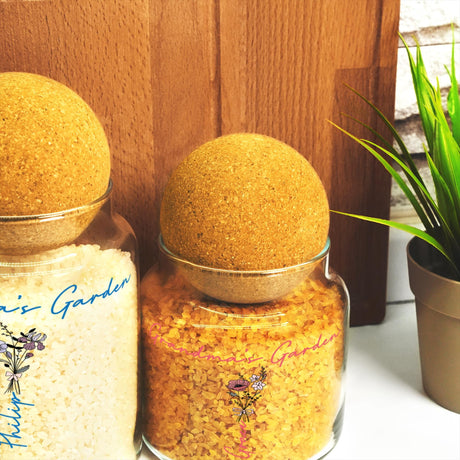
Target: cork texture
x,y
245,202
54,154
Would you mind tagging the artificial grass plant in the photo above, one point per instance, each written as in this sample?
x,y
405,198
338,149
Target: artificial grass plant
x,y
439,214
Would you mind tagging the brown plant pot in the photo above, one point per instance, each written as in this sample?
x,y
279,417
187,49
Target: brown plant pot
x,y
437,300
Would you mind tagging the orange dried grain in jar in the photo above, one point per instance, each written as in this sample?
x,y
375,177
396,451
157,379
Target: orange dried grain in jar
x,y
287,354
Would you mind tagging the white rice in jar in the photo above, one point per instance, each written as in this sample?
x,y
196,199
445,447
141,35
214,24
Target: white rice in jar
x,y
72,314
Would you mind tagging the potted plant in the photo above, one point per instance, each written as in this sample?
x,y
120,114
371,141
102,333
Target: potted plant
x,y
434,253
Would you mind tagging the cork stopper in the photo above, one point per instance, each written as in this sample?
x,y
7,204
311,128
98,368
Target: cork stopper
x,y
54,154
245,202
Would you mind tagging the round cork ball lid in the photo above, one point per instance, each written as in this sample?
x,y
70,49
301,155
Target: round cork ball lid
x,y
245,202
54,154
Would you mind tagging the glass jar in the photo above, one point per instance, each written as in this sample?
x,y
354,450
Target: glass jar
x,y
259,380
69,328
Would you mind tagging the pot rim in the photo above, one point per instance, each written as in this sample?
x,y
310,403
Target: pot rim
x,y
435,291
410,246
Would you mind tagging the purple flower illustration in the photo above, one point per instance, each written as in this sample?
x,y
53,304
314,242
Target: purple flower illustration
x,y
238,385
33,340
243,397
20,351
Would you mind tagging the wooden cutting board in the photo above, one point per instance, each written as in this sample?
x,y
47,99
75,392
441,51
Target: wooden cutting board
x,y
165,76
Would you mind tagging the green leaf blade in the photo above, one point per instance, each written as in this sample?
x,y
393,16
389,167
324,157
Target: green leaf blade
x,y
410,196
446,157
453,98
406,228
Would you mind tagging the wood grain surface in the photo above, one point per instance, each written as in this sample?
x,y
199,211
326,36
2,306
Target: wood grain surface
x,y
165,76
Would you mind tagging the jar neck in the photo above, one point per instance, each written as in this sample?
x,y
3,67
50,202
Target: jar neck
x,y
254,286
33,234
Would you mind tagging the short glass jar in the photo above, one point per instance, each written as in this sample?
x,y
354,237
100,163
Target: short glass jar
x,y
69,328
260,380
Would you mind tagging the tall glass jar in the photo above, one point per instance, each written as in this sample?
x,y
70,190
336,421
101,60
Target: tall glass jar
x,y
69,328
259,380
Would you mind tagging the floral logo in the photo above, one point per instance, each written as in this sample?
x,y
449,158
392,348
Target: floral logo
x,y
14,354
246,392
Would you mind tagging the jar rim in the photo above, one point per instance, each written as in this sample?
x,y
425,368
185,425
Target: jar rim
x,y
98,202
272,271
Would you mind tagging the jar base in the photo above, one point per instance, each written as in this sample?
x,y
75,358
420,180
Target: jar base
x,y
318,456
